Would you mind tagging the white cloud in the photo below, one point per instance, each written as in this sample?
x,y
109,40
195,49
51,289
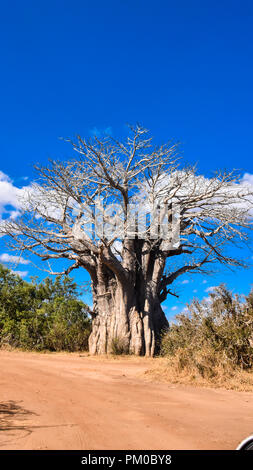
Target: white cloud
x,y
246,184
3,176
13,199
20,273
210,289
237,194
6,258
10,195
174,308
204,282
247,178
185,281
195,291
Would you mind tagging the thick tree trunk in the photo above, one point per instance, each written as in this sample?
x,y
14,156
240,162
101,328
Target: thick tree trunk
x,y
126,318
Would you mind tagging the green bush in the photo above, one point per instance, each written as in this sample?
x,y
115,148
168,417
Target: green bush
x,y
217,332
46,315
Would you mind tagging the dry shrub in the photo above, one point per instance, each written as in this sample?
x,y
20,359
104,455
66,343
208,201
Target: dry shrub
x,y
118,346
211,344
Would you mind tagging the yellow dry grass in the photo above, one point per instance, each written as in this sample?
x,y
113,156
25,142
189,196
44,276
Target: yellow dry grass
x,y
229,378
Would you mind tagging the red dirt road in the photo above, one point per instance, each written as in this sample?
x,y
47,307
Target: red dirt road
x,y
69,401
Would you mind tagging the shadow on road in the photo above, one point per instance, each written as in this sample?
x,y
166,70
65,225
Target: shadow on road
x,y
13,425
12,420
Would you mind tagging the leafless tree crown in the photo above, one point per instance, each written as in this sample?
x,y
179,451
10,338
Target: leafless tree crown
x,y
58,220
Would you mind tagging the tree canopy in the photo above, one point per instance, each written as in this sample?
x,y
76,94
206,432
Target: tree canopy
x,y
42,315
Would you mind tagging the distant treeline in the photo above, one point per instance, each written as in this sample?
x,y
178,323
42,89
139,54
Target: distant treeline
x,y
44,315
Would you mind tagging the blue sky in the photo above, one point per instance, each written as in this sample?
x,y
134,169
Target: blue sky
x,y
183,69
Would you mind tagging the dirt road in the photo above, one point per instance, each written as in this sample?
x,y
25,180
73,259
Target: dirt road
x,y
61,401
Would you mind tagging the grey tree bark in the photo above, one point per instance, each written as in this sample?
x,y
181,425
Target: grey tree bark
x,y
127,299
127,312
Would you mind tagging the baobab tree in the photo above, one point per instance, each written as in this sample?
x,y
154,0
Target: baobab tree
x,y
132,216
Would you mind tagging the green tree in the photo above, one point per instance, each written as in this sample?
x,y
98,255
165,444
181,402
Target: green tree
x,y
42,315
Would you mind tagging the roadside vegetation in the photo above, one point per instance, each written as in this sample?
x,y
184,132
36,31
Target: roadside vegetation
x,y
44,315
211,342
